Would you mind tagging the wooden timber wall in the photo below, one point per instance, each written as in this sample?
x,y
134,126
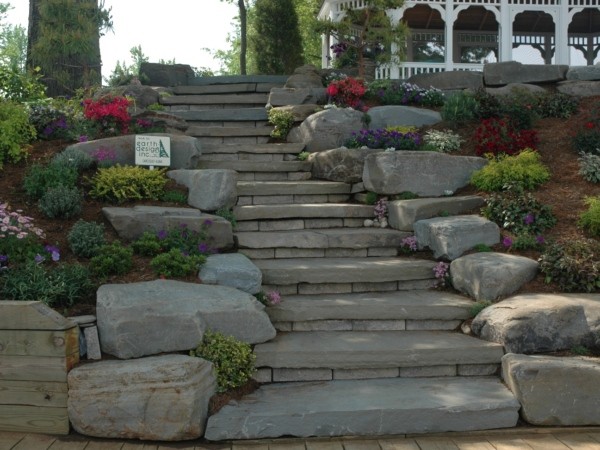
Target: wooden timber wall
x,y
38,347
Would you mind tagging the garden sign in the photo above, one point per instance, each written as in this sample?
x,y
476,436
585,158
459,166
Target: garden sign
x,y
152,151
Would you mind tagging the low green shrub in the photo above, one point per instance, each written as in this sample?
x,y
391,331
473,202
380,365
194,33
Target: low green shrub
x,y
228,215
459,108
444,141
112,259
518,212
482,248
174,263
590,218
233,360
147,244
86,238
15,132
39,179
556,104
589,167
524,169
19,86
121,183
61,202
478,306
587,141
282,120
60,286
573,265
581,350
303,156
174,196
527,241
73,157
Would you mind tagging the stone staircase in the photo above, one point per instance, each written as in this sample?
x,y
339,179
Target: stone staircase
x,y
364,345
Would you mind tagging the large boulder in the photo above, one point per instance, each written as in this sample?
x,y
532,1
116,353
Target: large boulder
x,y
515,89
340,164
398,115
448,81
296,96
450,237
491,276
498,74
157,74
535,323
185,150
131,223
327,129
554,391
142,96
147,318
163,398
232,269
584,73
579,88
427,174
170,122
306,76
209,189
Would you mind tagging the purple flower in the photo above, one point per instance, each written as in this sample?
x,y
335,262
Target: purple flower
x,y
540,240
161,235
207,222
507,242
38,259
203,248
83,138
3,260
274,297
529,219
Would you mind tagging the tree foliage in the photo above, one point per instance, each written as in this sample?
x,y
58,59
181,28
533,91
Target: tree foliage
x,y
307,11
243,18
64,41
276,41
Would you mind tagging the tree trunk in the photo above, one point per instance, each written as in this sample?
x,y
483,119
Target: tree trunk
x,y
243,35
33,31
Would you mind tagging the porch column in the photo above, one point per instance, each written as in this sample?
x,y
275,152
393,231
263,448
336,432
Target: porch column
x,y
506,33
561,38
449,35
325,51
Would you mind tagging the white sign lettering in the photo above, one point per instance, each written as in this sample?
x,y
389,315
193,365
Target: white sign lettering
x,y
152,150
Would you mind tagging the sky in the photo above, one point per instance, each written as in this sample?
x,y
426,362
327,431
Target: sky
x,y
173,29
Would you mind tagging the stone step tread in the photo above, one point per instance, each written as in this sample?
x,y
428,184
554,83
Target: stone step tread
x,y
200,131
225,115
374,349
258,166
311,187
253,148
367,408
343,270
399,305
303,211
225,88
216,99
322,238
280,80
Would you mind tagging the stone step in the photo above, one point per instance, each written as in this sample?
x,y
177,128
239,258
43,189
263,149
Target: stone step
x,y
280,193
274,176
279,149
304,211
234,88
216,99
347,238
223,115
367,408
279,80
201,131
370,311
258,166
351,350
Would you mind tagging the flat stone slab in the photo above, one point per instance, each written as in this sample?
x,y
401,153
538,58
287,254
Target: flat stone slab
x,y
146,318
232,269
415,305
252,148
402,214
536,323
584,73
579,88
131,223
308,211
396,115
162,398
343,270
450,237
555,391
292,188
491,275
374,349
258,166
368,408
496,74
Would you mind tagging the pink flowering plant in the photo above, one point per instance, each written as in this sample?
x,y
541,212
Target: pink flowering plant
x,y
270,298
347,92
409,244
19,237
442,274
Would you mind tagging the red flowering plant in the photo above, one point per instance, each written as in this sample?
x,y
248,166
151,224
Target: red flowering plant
x,y
347,92
587,138
497,136
110,112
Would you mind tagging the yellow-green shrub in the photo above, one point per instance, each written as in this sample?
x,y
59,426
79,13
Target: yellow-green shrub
x,y
121,183
590,219
524,170
15,132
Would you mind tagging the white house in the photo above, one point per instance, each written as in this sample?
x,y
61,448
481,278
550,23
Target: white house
x,y
456,34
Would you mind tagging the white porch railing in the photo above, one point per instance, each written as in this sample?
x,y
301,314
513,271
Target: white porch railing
x,y
408,69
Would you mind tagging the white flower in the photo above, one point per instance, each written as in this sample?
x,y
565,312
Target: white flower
x,y
448,193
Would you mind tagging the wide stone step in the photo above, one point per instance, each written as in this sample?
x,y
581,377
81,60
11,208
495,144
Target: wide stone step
x,y
200,131
287,188
367,408
305,211
258,166
217,99
351,238
375,350
232,88
223,115
279,149
280,80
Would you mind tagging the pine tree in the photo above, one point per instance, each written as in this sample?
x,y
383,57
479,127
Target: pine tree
x,y
276,41
64,42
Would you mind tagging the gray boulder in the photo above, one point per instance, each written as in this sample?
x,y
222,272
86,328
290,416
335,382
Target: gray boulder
x,y
514,89
534,323
209,189
142,96
157,74
554,391
584,73
327,129
449,81
296,96
306,76
396,115
131,223
427,174
185,150
340,164
234,270
579,88
171,123
450,237
148,318
491,276
497,74
163,398
402,214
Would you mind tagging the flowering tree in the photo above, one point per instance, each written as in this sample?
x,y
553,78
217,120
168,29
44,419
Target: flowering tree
x,y
368,32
